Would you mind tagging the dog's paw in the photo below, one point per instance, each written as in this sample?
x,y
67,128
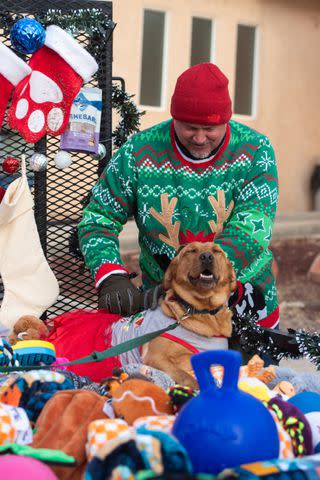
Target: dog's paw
x,y
185,379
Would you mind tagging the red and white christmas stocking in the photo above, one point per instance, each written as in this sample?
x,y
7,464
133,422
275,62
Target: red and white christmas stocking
x,y
12,71
41,102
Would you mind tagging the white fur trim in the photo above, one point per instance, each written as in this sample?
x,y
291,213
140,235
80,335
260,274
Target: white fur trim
x,y
11,66
117,272
71,51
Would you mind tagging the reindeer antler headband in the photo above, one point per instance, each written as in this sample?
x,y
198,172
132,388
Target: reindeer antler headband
x,y
166,217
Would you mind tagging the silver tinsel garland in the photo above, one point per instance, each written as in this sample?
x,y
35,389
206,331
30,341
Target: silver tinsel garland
x,y
309,345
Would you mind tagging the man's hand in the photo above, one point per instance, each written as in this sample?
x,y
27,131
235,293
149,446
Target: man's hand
x,y
119,295
248,300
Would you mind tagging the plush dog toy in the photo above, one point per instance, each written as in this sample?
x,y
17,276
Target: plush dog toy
x,y
138,398
63,425
28,327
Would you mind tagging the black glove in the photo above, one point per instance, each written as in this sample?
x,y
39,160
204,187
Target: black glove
x,y
248,301
119,295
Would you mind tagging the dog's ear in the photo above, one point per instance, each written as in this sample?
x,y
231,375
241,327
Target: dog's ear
x,y
171,270
170,273
181,247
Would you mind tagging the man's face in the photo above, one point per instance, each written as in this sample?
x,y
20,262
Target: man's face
x,y
199,140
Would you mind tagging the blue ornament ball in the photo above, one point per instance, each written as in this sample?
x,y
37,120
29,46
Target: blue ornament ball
x,y
27,35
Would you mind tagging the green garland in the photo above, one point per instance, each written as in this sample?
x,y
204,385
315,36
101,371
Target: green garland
x,y
91,21
130,116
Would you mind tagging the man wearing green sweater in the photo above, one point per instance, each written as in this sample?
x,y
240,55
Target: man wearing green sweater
x,y
198,176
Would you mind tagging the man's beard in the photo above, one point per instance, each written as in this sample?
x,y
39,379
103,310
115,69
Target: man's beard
x,y
195,154
199,156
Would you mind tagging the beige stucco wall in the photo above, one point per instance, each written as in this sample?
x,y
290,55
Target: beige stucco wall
x,y
288,71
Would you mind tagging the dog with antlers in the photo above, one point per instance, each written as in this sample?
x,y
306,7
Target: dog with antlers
x,y
198,284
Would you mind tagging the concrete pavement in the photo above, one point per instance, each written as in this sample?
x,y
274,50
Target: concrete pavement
x,y
302,365
297,225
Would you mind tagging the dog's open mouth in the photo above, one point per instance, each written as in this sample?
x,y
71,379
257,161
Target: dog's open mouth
x,y
206,279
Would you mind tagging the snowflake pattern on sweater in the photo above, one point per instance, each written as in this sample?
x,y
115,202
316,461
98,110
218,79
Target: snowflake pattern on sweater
x,y
148,166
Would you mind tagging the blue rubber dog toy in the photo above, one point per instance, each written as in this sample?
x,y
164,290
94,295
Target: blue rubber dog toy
x,y
224,427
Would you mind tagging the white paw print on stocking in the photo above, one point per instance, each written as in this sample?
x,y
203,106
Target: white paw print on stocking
x,y
42,101
42,90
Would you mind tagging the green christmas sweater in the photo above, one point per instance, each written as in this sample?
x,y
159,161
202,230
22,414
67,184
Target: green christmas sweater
x,y
230,198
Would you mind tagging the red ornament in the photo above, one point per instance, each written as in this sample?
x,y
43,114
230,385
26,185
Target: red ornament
x,y
10,165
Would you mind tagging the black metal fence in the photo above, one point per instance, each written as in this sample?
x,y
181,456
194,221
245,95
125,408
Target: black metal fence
x,y
58,194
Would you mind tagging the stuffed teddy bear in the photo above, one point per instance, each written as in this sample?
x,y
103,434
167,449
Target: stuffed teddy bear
x,y
28,327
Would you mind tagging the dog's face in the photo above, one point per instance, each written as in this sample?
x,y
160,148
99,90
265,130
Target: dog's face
x,y
200,269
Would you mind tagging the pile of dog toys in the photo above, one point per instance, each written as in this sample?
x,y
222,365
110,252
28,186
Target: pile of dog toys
x,y
128,426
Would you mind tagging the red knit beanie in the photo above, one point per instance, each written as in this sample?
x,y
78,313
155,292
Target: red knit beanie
x,y
201,96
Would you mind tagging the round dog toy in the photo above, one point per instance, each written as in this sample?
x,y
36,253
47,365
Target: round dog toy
x,y
34,352
17,467
224,427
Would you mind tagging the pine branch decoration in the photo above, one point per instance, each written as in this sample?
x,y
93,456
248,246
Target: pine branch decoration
x,y
93,24
92,21
130,115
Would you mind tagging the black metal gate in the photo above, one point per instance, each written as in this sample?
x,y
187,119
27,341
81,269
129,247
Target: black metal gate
x,y
58,194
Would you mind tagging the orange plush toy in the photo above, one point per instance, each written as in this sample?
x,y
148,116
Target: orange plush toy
x,y
63,425
139,398
28,327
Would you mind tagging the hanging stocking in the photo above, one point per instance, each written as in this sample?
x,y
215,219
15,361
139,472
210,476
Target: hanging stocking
x,y
41,102
12,71
30,286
